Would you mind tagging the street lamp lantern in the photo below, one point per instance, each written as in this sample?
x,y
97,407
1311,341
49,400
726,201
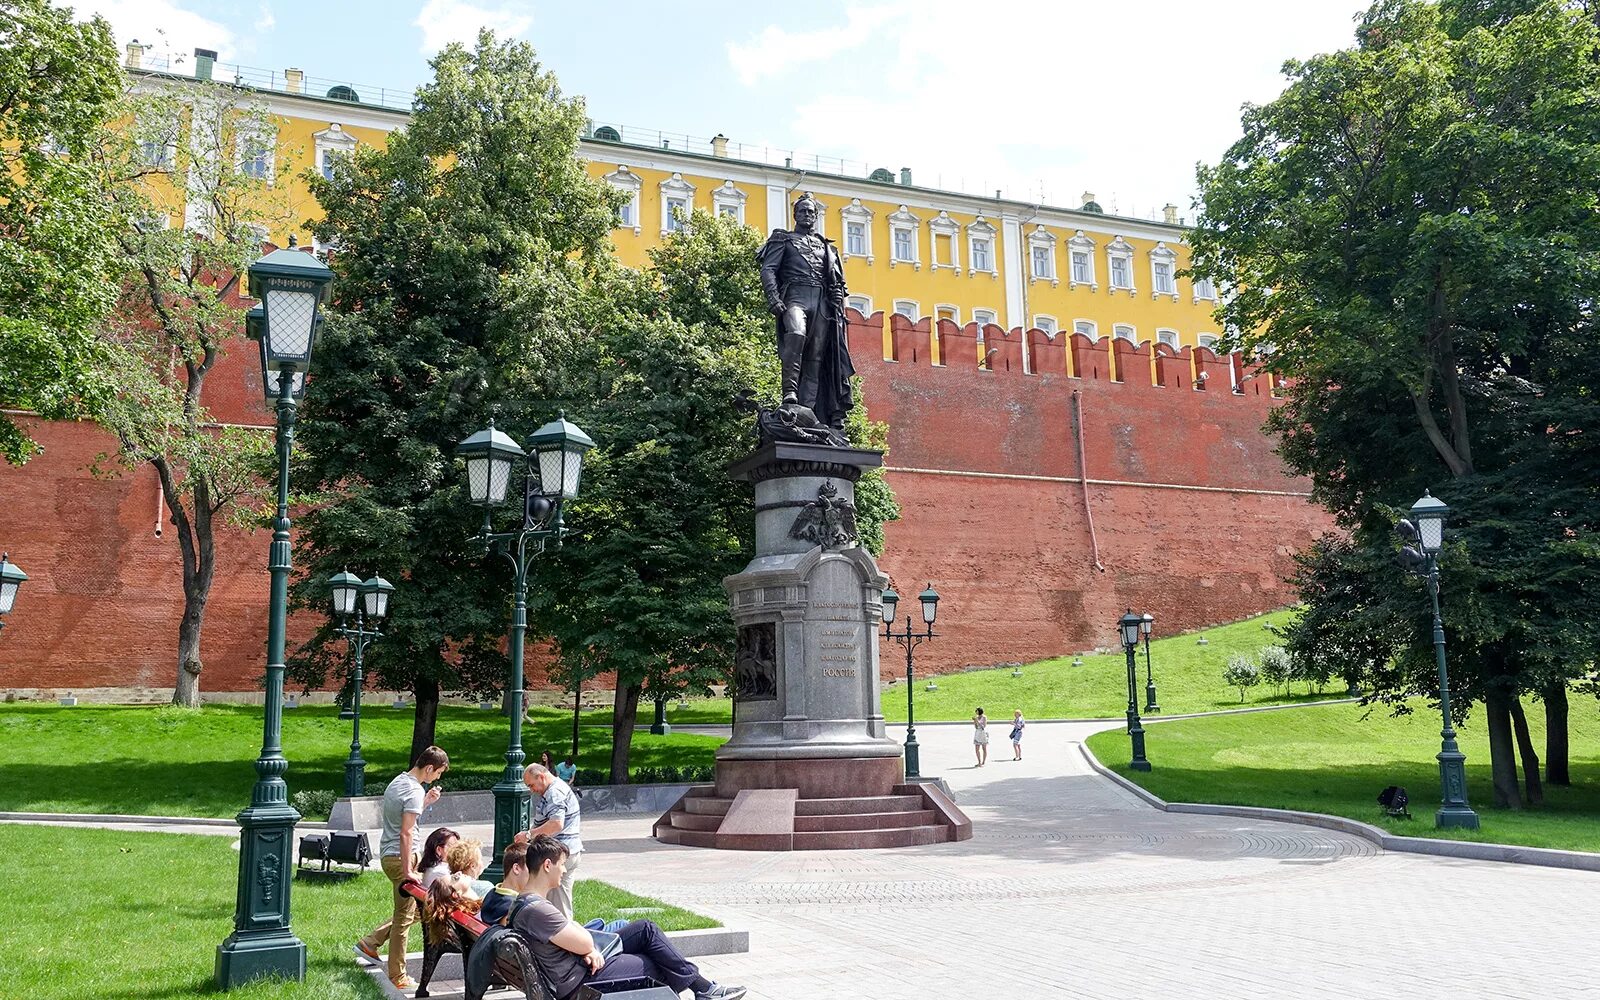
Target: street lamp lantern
x,y
560,446
1429,514
375,593
490,454
11,578
291,285
254,322
930,604
891,601
1146,623
1131,625
344,587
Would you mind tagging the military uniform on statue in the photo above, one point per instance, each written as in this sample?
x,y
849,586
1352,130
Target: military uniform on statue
x,y
810,765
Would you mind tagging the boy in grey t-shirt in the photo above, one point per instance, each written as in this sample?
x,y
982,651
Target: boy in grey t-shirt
x,y
403,802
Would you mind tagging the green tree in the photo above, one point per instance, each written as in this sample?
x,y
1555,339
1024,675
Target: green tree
x,y
1410,235
59,85
466,287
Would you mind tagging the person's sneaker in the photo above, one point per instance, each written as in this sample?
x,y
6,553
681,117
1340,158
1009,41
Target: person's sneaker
x,y
405,982
366,951
718,992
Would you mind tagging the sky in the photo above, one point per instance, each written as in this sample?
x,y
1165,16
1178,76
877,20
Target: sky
x,y
1042,99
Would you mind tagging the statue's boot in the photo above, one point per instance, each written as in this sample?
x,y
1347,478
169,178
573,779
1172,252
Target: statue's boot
x,y
791,354
810,376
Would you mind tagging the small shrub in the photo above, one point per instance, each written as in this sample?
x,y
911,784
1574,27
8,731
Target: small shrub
x,y
1241,673
1277,669
314,803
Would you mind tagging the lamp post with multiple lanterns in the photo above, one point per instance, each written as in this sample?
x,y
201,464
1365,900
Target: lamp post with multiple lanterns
x,y
292,286
11,578
1146,624
1131,625
911,639
1424,537
369,600
550,478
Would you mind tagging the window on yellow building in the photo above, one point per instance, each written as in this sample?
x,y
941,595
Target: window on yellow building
x,y
982,317
857,229
950,313
1087,327
860,303
630,184
1123,331
1041,262
1080,267
1204,289
903,245
981,260
944,250
1119,252
677,214
1163,278
255,151
1168,337
855,238
1120,278
1045,325
909,309
1206,340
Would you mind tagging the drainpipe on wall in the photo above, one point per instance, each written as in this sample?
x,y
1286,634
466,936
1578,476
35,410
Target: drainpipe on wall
x,y
1083,478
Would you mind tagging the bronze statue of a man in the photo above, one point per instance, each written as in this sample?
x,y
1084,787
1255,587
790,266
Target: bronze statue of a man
x,y
804,284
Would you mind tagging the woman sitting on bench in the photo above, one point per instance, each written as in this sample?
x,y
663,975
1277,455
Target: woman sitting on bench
x,y
445,896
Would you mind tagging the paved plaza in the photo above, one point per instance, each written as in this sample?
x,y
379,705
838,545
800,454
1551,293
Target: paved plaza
x,y
1072,887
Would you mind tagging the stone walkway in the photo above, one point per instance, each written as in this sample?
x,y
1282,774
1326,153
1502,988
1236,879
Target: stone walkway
x,y
1072,887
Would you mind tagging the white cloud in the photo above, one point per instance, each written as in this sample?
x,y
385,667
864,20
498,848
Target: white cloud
x,y
172,33
266,20
446,21
1046,101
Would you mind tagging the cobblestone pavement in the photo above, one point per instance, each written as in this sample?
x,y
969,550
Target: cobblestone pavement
x,y
1072,887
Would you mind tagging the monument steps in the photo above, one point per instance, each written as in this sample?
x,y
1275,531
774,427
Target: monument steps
x,y
864,804
849,840
829,822
696,821
703,804
913,815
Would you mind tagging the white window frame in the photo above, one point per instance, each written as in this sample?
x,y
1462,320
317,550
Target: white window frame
x,y
675,188
955,312
1043,239
1120,249
728,196
943,225
900,221
980,230
860,303
856,213
1081,244
1047,325
1087,327
992,319
333,139
243,142
1208,340
1163,254
162,135
1204,289
1125,331
915,315
1169,336
631,184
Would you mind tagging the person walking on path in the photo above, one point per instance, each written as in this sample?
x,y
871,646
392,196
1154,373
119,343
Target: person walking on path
x,y
980,736
403,802
1017,725
556,813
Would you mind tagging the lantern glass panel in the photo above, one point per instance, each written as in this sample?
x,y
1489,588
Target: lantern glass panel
x,y
375,593
291,317
478,479
891,601
930,604
1432,531
8,595
344,600
1130,631
1146,624
499,478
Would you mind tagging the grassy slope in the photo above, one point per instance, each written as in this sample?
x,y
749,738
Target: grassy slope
x,y
1329,759
178,762
144,914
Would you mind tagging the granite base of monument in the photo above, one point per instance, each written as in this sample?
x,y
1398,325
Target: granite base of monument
x,y
809,766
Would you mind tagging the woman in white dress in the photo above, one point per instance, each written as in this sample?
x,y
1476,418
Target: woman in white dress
x,y
980,736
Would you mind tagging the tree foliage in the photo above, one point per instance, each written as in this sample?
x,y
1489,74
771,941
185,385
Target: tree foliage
x,y
59,86
1410,235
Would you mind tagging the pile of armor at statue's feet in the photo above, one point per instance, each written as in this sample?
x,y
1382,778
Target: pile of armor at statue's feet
x,y
795,423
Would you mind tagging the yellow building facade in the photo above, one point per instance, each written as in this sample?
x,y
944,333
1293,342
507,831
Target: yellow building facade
x,y
920,252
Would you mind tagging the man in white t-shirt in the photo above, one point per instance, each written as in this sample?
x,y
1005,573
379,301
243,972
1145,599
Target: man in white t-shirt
x,y
403,802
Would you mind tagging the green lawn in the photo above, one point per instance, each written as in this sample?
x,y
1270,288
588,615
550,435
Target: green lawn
x,y
182,762
138,916
1329,759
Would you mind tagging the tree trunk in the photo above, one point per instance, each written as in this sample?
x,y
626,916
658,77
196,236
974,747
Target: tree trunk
x,y
624,713
1530,757
1555,735
426,690
1502,751
187,691
197,546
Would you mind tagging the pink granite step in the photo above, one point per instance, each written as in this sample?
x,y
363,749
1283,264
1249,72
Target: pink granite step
x,y
695,821
840,840
865,804
864,821
705,805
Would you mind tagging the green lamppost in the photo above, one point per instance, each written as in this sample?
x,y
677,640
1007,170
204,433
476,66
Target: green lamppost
x,y
1131,625
11,577
1424,533
550,478
911,640
291,286
374,604
1147,624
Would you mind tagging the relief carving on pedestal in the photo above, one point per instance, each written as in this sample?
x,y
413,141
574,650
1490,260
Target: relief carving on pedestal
x,y
755,663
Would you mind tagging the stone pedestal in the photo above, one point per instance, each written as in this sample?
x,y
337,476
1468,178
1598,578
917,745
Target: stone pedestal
x,y
809,755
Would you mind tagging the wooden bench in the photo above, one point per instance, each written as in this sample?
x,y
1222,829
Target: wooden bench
x,y
512,960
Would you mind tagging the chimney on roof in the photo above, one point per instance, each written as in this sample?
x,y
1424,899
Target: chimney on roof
x,y
294,81
905,176
1169,214
719,146
135,58
204,60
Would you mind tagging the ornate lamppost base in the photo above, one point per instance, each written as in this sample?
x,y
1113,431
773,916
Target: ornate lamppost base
x,y
1455,818
262,944
1150,699
1454,813
913,758
511,810
355,777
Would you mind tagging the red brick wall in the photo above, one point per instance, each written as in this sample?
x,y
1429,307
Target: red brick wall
x,y
984,463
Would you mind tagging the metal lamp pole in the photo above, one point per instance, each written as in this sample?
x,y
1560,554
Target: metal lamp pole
x,y
375,604
1425,532
1146,624
911,639
551,479
1131,624
291,285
